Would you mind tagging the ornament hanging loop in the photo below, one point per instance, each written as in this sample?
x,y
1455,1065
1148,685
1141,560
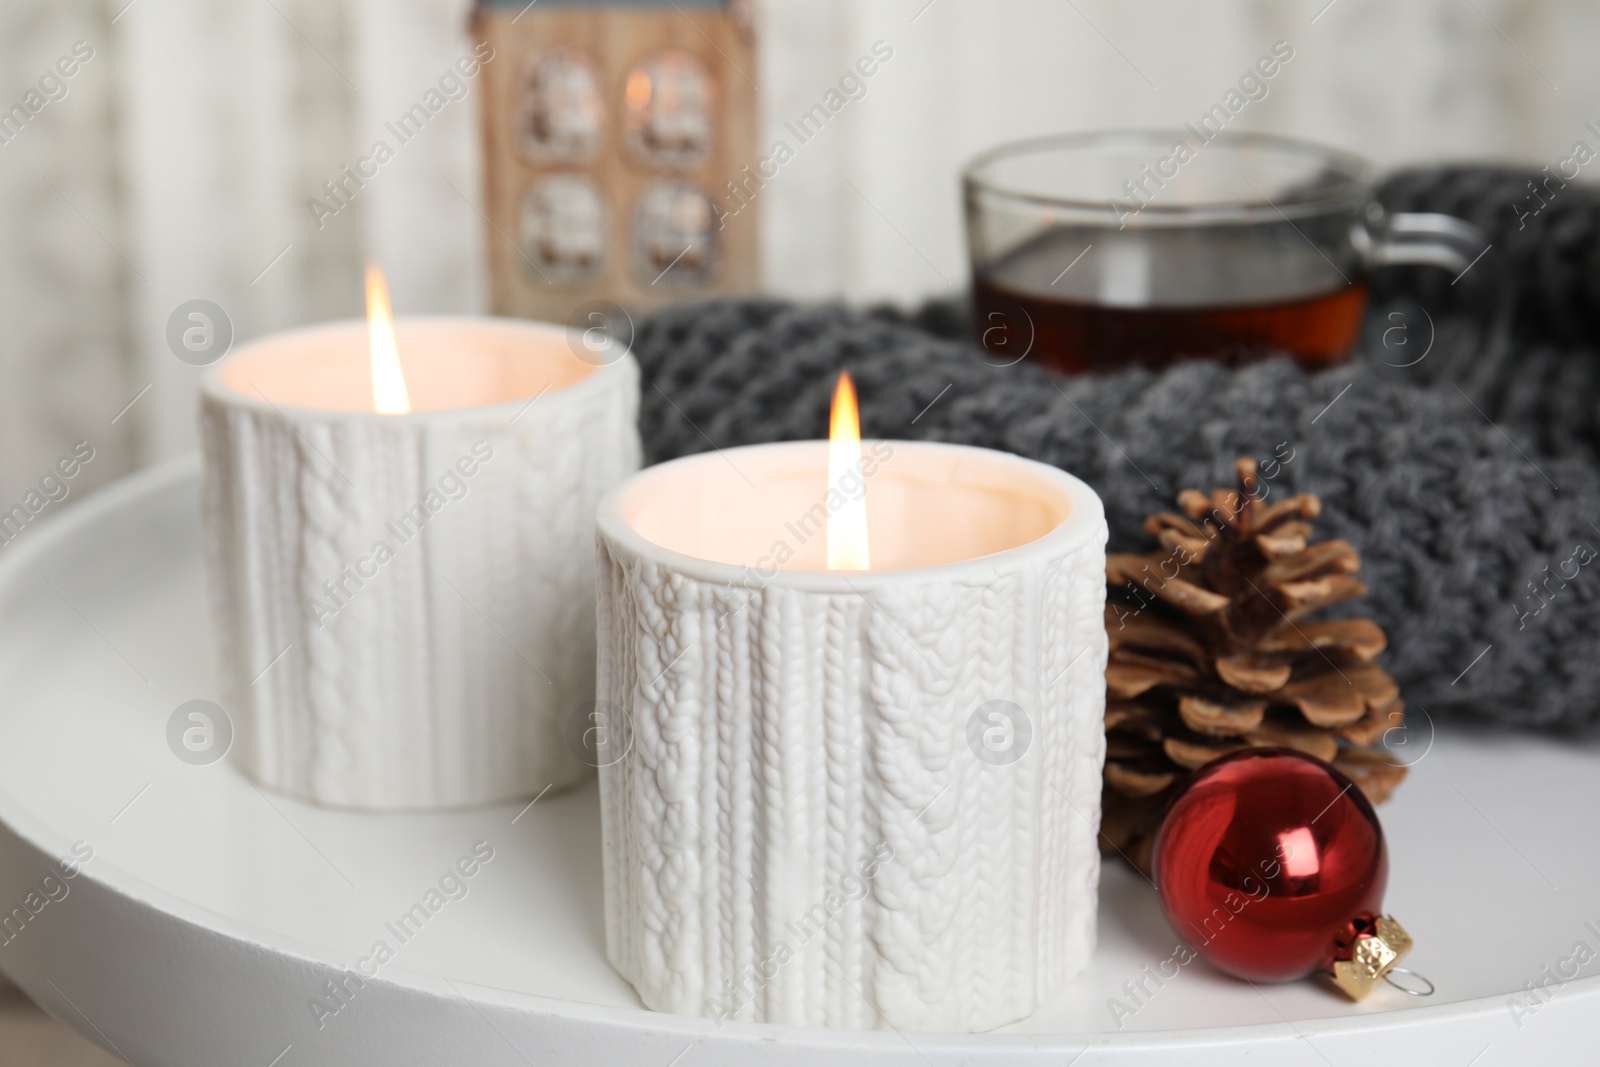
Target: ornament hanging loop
x,y
1376,945
1412,975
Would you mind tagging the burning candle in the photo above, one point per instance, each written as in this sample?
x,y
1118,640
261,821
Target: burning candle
x,y
855,693
400,555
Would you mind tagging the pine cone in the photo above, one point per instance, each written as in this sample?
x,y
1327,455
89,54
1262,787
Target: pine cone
x,y
1213,650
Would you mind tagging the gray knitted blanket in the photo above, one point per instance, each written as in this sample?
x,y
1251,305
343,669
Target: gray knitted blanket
x,y
1470,482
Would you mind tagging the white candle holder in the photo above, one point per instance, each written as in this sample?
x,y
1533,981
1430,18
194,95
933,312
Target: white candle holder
x,y
405,604
852,799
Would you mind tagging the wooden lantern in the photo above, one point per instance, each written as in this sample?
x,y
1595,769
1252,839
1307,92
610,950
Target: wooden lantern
x,y
609,127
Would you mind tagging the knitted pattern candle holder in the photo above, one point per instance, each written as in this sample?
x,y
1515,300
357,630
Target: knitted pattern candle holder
x,y
852,799
405,605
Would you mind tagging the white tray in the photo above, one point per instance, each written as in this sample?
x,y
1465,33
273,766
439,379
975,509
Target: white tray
x,y
212,914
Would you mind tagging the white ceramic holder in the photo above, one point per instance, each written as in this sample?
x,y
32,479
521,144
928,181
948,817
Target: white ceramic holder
x,y
405,603
852,799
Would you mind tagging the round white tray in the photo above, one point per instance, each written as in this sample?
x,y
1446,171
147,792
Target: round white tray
x,y
212,916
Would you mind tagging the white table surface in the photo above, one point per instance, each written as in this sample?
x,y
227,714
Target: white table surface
x,y
213,914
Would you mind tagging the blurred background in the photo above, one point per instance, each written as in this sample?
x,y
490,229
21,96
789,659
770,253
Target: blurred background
x,y
178,163
177,160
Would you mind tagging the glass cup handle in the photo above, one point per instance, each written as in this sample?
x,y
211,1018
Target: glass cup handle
x,y
1429,240
1424,239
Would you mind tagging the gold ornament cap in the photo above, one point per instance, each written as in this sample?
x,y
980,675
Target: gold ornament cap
x,y
1374,945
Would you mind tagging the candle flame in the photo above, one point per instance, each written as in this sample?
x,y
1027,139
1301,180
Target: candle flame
x,y
847,526
637,90
389,396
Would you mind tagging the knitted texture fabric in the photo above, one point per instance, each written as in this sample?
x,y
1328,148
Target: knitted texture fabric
x,y
1469,481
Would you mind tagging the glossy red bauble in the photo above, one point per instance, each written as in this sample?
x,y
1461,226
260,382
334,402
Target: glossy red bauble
x,y
1264,861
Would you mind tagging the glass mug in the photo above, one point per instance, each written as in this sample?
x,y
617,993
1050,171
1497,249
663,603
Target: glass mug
x,y
1094,251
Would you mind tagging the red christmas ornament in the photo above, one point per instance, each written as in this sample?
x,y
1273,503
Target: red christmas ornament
x,y
1271,864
